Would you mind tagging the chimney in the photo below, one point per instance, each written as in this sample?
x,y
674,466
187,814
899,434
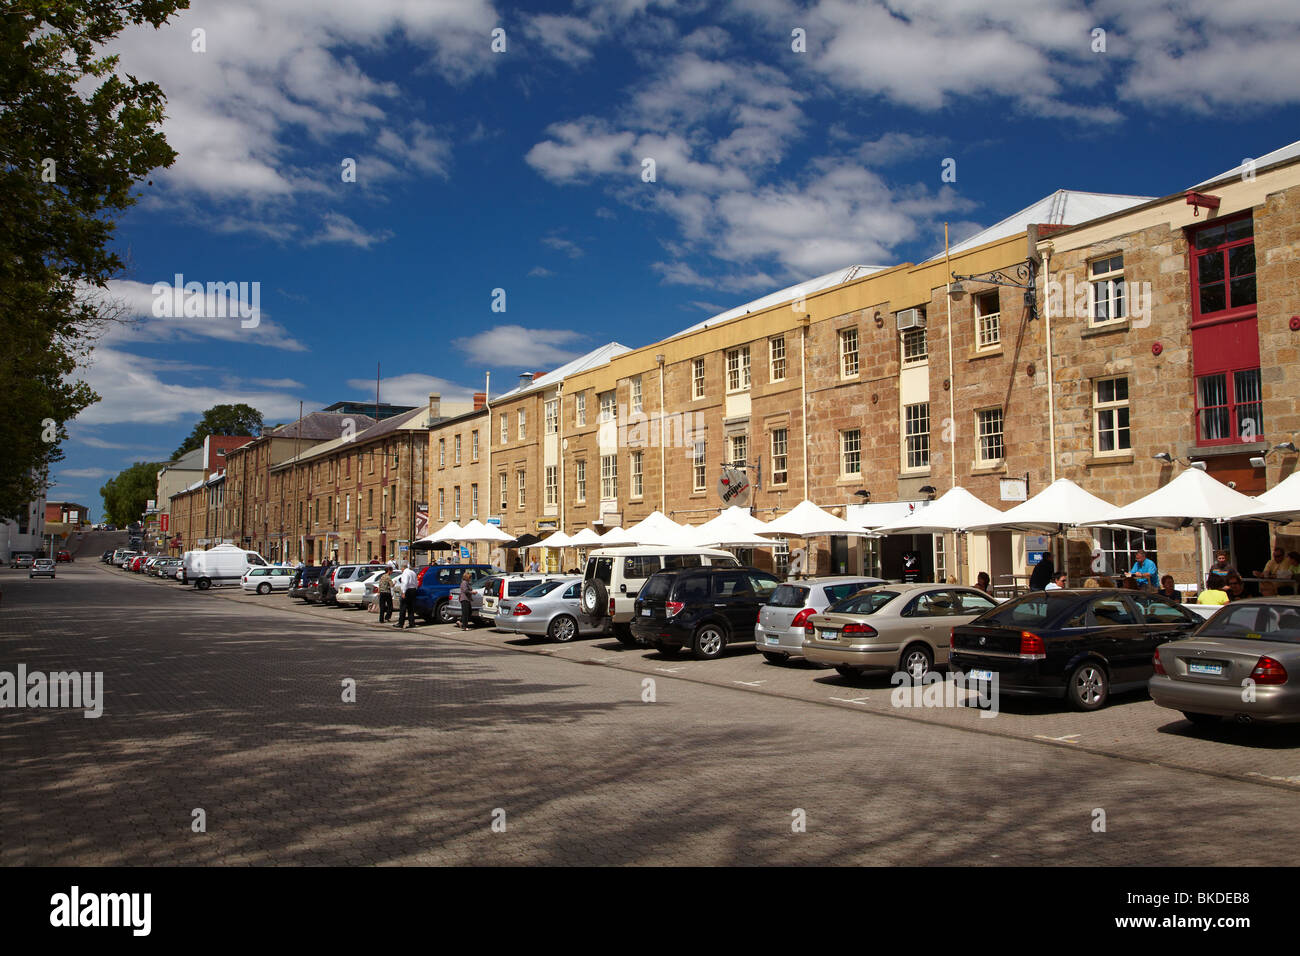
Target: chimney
x,y
537,375
525,379
435,405
480,401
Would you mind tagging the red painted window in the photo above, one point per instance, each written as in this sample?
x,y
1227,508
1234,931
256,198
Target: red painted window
x,y
1223,270
1228,407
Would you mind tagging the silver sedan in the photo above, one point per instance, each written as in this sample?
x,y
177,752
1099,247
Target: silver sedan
x,y
548,610
1238,664
779,632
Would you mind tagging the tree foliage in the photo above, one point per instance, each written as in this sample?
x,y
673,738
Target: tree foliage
x,y
238,419
127,495
75,138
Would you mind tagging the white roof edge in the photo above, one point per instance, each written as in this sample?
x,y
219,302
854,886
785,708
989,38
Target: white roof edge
x,y
1279,155
593,359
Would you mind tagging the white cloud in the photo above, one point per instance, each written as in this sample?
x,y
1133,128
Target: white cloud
x,y
539,272
276,383
413,388
564,37
566,246
513,346
339,228
84,473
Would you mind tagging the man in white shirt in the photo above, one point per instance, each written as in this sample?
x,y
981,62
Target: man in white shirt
x,y
1057,583
406,583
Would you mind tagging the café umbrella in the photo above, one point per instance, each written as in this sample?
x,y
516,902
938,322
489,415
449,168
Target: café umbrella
x,y
1281,503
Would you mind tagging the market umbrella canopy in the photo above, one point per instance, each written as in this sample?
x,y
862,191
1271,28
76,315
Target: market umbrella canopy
x,y
657,528
615,535
585,538
956,510
1191,497
525,540
1281,503
449,532
806,520
478,531
556,540
735,528
1061,504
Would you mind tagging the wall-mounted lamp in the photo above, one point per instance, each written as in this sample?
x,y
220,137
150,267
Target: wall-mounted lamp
x,y
1258,461
1198,465
928,490
863,494
1285,446
1163,456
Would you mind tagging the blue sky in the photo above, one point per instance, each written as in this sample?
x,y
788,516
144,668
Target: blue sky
x,y
522,170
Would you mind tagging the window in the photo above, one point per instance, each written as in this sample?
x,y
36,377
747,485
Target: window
x,y
552,489
442,453
638,476
776,358
1106,296
988,430
522,483
636,394
347,515
738,369
383,507
848,353
505,429
580,408
505,490
988,320
739,452
697,378
781,560
916,435
473,500
1228,407
370,504
553,416
780,457
609,476
1118,548
1110,412
523,423
473,445
851,452
608,406
455,498
697,465
457,459
914,346
940,561
580,480
1223,275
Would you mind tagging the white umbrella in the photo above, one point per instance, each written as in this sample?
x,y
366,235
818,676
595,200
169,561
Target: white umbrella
x,y
806,520
733,528
1060,505
557,539
585,538
615,536
657,528
955,510
478,531
449,532
1191,497
1280,503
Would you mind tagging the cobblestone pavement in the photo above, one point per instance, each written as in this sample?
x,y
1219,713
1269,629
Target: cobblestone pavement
x,y
233,704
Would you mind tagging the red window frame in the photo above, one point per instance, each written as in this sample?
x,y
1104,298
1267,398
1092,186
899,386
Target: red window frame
x,y
1230,404
1222,250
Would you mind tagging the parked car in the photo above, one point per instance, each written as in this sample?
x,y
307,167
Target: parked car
x,y
703,608
65,556
779,632
303,583
125,557
550,609
21,560
353,593
266,580
337,576
41,568
1082,645
1254,645
478,594
613,577
220,565
436,582
137,562
898,627
506,587
168,568
106,557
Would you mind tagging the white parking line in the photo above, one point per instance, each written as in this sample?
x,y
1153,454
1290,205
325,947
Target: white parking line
x,y
1065,740
749,683
668,670
846,700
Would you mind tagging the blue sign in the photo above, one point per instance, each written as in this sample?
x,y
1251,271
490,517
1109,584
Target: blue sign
x,y
464,553
1035,557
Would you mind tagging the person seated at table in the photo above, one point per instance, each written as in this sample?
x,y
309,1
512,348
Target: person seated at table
x,y
1213,593
1144,570
1290,574
1057,583
1221,567
1168,590
1092,583
983,582
1236,587
1272,569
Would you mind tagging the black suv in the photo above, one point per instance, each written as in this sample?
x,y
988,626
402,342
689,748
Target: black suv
x,y
704,609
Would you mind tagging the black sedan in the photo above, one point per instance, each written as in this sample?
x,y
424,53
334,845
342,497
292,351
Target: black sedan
x,y
1077,644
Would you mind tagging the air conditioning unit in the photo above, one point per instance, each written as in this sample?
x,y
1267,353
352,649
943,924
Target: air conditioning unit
x,y
911,319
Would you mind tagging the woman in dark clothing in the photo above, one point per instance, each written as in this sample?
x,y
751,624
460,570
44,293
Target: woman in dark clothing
x,y
1043,573
466,601
1168,590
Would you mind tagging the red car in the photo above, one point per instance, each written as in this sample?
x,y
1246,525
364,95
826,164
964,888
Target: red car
x,y
63,556
137,562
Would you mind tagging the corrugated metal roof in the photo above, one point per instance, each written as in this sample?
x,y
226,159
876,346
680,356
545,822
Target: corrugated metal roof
x,y
1065,207
1290,151
593,359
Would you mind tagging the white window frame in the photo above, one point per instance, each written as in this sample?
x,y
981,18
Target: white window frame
x,y
915,358
699,467
916,443
738,443
776,359
553,416
455,502
521,481
982,433
580,408
456,443
442,505
1106,288
850,446
442,453
637,397
580,479
849,363
636,471
608,406
780,455
738,377
505,489
505,428
609,477
988,325
697,378
473,445
523,423
473,500
1113,408
552,485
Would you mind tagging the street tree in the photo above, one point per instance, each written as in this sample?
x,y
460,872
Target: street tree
x,y
238,419
127,495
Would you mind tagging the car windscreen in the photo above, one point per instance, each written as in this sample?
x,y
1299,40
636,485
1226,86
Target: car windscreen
x,y
1031,610
788,595
657,588
865,602
1255,621
600,569
838,592
546,587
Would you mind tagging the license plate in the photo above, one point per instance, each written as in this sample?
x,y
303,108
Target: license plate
x,y
774,640
645,612
828,635
980,675
1210,670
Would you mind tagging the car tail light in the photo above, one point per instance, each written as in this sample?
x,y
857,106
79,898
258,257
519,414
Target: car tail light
x,y
673,607
521,609
1268,671
952,637
801,619
865,630
1155,663
1032,647
611,607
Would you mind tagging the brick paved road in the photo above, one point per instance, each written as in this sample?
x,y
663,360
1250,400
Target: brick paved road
x,y
233,704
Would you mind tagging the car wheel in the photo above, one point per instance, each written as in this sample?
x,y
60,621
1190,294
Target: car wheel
x,y
203,584
264,588
594,599
562,629
773,658
443,612
849,672
709,642
624,634
1088,686
1203,720
917,660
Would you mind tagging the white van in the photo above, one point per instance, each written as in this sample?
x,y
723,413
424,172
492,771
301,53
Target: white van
x,y
613,576
223,565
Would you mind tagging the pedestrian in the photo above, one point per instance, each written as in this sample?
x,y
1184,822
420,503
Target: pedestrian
x,y
384,586
1044,573
1213,593
1272,569
466,601
983,582
1057,583
406,582
1236,587
532,566
519,564
1168,590
1144,571
1221,567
